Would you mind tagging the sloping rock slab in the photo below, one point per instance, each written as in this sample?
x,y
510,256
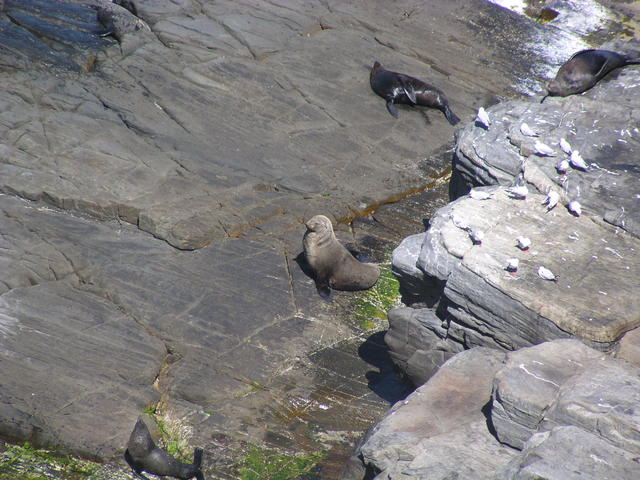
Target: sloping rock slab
x,y
441,424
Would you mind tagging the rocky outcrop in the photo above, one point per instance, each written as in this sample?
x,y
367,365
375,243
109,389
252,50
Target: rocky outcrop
x,y
547,272
471,295
545,412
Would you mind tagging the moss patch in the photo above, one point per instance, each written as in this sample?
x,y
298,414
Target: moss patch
x,y
264,464
23,462
371,306
174,436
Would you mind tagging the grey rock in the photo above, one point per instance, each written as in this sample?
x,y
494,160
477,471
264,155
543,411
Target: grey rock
x,y
416,339
475,298
529,384
440,429
568,453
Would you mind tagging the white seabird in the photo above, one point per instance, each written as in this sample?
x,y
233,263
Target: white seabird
x,y
523,243
543,150
526,130
565,146
482,118
476,236
551,200
577,161
562,166
480,194
574,207
546,274
519,188
460,222
512,264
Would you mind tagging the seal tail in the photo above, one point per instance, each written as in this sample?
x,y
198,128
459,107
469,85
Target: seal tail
x,y
629,60
451,117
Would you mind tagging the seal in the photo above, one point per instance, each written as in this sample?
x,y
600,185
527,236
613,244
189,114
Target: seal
x,y
584,69
143,455
398,88
332,265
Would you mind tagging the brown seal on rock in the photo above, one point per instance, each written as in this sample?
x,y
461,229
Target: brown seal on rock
x,y
397,88
143,455
332,264
584,69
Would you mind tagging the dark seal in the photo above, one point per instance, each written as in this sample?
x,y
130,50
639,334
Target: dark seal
x,y
143,455
332,265
584,69
397,88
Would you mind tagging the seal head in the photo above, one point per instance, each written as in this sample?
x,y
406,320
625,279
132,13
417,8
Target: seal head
x,y
332,265
398,88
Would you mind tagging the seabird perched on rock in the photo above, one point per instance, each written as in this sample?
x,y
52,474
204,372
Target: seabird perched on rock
x,y
546,274
575,208
526,130
480,194
551,200
519,188
460,222
512,265
577,161
523,243
565,146
482,118
543,150
476,236
562,166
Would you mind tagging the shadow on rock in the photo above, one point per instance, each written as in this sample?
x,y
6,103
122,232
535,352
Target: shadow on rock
x,y
385,383
323,290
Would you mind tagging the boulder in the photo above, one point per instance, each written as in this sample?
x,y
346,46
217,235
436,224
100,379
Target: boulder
x,y
558,410
440,429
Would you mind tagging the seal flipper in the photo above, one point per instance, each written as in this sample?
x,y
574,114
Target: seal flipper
x,y
393,110
323,290
603,69
135,468
451,117
409,91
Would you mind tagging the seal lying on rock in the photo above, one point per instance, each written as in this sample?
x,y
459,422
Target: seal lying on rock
x,y
583,70
397,87
332,264
143,455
